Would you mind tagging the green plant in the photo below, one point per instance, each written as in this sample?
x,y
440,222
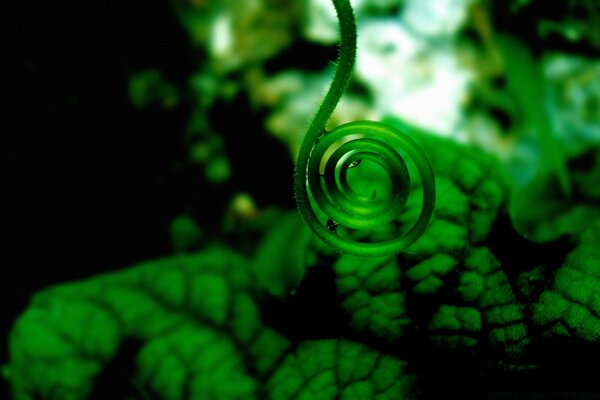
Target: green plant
x,y
470,309
447,318
344,206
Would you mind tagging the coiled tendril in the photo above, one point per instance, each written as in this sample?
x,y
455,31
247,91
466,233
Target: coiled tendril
x,y
352,184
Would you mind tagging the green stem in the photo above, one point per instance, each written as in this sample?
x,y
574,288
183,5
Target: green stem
x,y
335,209
345,65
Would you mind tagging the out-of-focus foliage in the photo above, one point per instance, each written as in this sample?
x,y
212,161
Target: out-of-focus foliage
x,y
524,82
492,74
200,334
149,86
216,323
283,255
186,234
570,306
471,304
573,20
541,211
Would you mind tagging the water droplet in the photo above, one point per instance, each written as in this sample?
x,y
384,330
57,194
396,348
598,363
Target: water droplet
x,y
354,164
332,225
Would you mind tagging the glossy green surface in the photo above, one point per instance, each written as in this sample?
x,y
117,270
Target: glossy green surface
x,y
331,166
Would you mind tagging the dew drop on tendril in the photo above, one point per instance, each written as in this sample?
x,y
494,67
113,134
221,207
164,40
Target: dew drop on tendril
x,y
354,164
332,225
371,209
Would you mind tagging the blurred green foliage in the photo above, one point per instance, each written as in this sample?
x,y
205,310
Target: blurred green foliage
x,y
500,291
206,320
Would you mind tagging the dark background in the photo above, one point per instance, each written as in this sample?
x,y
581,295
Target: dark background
x,y
87,181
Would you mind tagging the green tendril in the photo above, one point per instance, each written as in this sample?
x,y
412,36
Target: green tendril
x,y
353,184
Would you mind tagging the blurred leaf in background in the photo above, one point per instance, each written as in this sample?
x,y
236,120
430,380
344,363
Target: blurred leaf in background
x,y
254,299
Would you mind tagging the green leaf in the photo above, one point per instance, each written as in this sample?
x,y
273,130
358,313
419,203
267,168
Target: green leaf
x,y
570,307
525,82
283,256
195,315
339,369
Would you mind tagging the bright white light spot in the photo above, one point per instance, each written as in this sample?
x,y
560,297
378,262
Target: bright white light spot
x,y
221,38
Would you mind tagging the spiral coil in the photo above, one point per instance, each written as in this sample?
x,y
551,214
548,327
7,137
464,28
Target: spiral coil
x,y
353,185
